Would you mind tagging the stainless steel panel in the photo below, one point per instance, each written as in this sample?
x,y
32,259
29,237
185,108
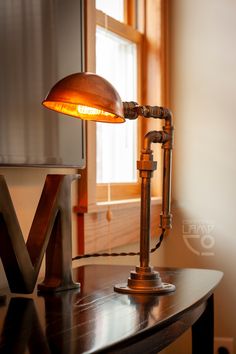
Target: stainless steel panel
x,y
41,41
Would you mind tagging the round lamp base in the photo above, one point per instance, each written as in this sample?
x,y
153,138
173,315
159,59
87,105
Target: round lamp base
x,y
125,289
144,280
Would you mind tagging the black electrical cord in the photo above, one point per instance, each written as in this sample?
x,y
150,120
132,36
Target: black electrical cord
x,y
114,254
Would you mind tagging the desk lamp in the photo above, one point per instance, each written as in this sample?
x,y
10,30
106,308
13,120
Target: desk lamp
x,y
91,97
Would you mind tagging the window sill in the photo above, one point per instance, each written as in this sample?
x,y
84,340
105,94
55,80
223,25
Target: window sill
x,y
103,231
120,204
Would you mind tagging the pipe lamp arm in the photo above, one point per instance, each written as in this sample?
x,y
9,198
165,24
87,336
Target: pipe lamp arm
x,y
132,110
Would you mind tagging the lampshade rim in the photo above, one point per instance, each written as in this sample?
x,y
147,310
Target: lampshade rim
x,y
81,104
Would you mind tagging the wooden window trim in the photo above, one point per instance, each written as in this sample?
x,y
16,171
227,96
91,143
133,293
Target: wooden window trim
x,y
118,27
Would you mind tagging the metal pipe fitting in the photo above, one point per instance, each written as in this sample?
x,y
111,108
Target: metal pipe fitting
x,y
132,110
145,279
154,137
167,146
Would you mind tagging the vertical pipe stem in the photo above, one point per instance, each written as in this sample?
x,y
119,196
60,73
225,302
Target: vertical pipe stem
x,y
166,217
145,222
167,162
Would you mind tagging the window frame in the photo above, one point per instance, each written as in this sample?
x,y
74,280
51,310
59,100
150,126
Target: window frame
x,y
92,224
153,83
118,191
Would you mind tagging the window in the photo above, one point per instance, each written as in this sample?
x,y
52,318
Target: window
x,y
118,48
145,49
116,60
97,230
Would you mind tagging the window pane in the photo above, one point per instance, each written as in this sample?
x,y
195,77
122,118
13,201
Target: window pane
x,y
113,8
116,60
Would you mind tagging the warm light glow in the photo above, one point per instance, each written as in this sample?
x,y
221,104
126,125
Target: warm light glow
x,y
96,98
83,112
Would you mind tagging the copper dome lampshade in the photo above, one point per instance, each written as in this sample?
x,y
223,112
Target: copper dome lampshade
x,y
86,96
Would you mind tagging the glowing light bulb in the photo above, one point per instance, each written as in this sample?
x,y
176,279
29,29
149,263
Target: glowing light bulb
x,y
85,110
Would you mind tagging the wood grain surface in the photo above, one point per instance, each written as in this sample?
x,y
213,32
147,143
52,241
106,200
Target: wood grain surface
x,y
95,319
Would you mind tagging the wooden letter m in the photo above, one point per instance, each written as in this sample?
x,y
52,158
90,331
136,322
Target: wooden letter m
x,y
50,233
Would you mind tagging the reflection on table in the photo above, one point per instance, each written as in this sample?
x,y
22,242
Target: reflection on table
x,y
96,319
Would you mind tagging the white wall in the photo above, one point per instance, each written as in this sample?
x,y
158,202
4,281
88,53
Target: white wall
x,y
203,97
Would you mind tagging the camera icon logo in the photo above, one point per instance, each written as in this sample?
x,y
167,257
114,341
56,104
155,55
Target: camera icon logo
x,y
197,236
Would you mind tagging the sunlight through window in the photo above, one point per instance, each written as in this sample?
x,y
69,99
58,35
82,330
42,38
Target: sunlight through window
x,y
113,8
116,60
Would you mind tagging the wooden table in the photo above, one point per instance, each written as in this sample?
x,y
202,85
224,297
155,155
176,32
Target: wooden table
x,y
98,320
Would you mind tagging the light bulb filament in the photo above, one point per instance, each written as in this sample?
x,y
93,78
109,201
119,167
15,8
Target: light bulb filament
x,y
85,110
